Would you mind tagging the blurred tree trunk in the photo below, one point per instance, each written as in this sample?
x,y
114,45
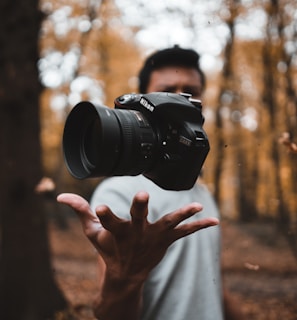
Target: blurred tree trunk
x,y
247,176
27,287
282,115
225,89
291,128
290,114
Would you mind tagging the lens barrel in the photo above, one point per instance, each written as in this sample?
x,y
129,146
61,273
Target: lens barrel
x,y
100,141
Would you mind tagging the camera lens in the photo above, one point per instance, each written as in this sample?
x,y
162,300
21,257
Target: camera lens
x,y
89,154
99,141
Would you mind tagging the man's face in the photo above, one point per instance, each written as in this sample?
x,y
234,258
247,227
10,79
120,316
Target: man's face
x,y
176,80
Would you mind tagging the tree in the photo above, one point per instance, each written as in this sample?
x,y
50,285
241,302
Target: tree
x,y
279,99
226,89
27,287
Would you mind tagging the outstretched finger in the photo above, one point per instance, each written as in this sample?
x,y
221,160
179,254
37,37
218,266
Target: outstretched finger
x,y
184,230
90,222
139,209
109,220
173,219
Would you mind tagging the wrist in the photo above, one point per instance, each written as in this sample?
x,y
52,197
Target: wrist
x,y
123,283
119,292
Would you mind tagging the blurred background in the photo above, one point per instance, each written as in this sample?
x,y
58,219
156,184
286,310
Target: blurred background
x,y
59,52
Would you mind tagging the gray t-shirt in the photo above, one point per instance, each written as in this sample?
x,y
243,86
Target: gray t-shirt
x,y
186,284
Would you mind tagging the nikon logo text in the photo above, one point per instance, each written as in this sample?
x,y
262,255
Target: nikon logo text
x,y
147,105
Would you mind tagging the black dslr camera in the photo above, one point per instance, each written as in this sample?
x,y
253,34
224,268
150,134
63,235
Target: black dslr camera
x,y
158,134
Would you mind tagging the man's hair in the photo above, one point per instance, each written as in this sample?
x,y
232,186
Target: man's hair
x,y
170,57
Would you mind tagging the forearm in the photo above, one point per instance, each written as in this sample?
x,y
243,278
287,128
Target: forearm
x,y
119,299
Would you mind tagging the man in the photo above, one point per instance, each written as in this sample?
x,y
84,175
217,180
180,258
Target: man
x,y
154,265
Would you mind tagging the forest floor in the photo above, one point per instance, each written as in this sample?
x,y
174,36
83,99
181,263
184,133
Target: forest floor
x,y
259,270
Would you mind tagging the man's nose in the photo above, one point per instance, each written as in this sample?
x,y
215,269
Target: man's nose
x,y
179,90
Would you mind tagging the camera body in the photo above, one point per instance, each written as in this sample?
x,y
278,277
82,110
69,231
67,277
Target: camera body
x,y
159,135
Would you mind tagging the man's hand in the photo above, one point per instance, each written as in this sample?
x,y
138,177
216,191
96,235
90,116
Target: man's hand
x,y
132,248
